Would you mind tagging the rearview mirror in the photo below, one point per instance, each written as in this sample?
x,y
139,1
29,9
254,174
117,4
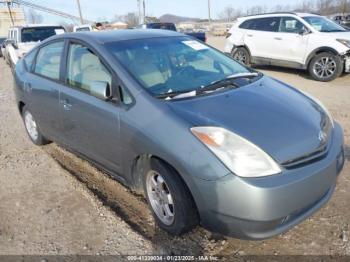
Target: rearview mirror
x,y
100,89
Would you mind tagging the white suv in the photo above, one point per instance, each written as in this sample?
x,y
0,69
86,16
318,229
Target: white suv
x,y
295,40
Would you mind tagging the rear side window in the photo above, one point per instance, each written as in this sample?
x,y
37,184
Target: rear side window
x,y
84,68
267,24
48,60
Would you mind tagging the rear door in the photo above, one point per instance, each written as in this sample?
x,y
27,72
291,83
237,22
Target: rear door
x,y
90,124
42,88
260,34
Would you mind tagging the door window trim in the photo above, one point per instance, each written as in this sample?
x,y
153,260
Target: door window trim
x,y
32,69
116,82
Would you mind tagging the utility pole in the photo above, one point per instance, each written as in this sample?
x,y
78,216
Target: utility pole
x,y
139,9
209,18
10,12
80,14
144,11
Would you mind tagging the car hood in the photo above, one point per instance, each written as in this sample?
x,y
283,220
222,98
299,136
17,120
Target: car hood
x,y
276,117
27,46
339,35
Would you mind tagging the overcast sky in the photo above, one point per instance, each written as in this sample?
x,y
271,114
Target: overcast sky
x,y
93,10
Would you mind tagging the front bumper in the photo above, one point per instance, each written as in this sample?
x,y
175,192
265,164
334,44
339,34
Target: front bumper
x,y
258,208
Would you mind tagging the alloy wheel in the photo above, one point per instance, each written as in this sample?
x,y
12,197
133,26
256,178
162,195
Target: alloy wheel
x,y
325,67
31,126
160,197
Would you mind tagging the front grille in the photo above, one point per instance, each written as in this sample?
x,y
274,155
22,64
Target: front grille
x,y
307,159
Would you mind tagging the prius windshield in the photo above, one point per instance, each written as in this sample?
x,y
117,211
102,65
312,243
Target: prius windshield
x,y
174,64
323,24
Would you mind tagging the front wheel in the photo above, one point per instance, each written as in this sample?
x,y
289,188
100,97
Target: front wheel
x,y
325,67
170,201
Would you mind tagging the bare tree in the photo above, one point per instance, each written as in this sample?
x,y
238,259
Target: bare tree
x,y
229,14
343,6
33,17
131,19
326,7
257,9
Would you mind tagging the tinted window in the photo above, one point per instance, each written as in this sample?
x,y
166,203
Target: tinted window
x,y
268,24
84,67
36,34
246,24
290,25
164,26
48,60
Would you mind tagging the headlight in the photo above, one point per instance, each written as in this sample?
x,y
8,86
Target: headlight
x,y
239,155
344,42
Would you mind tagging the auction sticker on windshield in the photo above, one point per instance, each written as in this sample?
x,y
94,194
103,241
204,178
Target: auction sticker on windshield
x,y
195,45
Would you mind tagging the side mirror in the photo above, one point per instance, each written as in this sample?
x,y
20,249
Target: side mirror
x,y
100,89
304,31
9,42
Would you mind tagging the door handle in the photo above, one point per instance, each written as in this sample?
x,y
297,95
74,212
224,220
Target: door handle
x,y
249,35
28,87
66,105
278,38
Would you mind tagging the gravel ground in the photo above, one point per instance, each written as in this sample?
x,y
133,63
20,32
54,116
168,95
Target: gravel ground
x,y
52,202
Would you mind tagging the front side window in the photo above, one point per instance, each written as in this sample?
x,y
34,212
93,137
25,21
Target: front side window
x,y
173,64
49,59
290,25
323,24
84,68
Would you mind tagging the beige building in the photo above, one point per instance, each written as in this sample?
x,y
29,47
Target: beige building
x,y
5,18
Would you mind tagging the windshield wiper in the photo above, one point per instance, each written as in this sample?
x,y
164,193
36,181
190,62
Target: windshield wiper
x,y
172,94
213,86
226,82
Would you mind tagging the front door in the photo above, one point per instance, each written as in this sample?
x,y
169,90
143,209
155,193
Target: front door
x,y
289,43
90,124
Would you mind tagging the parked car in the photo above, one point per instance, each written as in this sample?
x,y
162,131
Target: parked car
x,y
171,26
2,40
295,40
22,39
80,28
204,138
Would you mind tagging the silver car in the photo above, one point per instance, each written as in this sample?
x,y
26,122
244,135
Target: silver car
x,y
206,140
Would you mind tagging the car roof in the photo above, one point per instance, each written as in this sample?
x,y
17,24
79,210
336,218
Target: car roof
x,y
108,36
35,25
277,14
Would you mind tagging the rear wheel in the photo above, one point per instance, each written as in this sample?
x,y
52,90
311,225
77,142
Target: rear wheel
x,y
32,128
170,201
325,67
241,55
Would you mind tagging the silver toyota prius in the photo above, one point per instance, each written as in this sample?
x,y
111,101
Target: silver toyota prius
x,y
205,139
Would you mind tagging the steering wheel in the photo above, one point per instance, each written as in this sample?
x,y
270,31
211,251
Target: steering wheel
x,y
186,70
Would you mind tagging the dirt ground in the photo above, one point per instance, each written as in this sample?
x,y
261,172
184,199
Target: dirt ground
x,y
52,202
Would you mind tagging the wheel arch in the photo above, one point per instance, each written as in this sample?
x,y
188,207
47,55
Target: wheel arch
x,y
319,50
137,170
21,105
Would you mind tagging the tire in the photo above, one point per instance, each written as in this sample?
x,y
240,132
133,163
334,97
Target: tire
x,y
32,128
325,67
241,55
184,211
